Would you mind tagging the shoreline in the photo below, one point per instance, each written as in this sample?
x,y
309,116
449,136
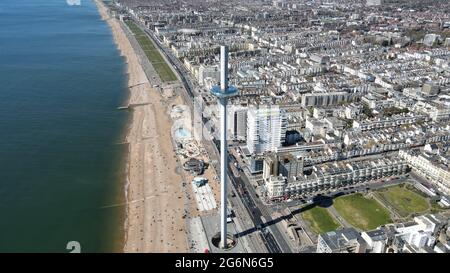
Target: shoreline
x,y
105,17
153,216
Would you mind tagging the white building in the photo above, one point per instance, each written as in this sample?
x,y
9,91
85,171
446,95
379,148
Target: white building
x,y
374,2
325,99
335,175
376,240
387,122
266,128
317,126
353,110
421,233
211,72
275,185
430,39
423,165
439,113
346,240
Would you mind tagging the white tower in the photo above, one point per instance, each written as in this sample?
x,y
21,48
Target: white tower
x,y
223,92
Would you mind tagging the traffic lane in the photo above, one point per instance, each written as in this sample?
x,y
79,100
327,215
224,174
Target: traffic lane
x,y
266,214
268,241
248,204
242,216
256,215
253,212
174,63
274,247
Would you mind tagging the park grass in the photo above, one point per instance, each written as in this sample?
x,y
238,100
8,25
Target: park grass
x,y
403,200
154,56
320,220
435,208
362,213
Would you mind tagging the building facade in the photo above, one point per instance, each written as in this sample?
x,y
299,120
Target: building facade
x,y
346,240
266,129
238,122
424,166
334,175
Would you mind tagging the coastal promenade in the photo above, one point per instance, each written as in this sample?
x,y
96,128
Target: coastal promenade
x,y
154,193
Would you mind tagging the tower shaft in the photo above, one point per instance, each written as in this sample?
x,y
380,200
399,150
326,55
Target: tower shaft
x,y
223,92
223,145
223,171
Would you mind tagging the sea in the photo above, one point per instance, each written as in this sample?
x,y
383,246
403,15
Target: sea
x,y
62,161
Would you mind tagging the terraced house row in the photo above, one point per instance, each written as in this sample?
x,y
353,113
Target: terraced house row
x,y
334,175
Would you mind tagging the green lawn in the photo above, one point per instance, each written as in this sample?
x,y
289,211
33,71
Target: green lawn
x,y
403,200
162,68
435,208
360,212
320,220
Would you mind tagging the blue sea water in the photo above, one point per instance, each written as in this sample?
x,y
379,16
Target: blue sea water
x,y
61,167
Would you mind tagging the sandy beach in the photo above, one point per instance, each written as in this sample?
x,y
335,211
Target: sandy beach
x,y
154,192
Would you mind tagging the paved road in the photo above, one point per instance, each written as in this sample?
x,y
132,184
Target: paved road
x,y
260,215
176,64
242,219
271,239
255,215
